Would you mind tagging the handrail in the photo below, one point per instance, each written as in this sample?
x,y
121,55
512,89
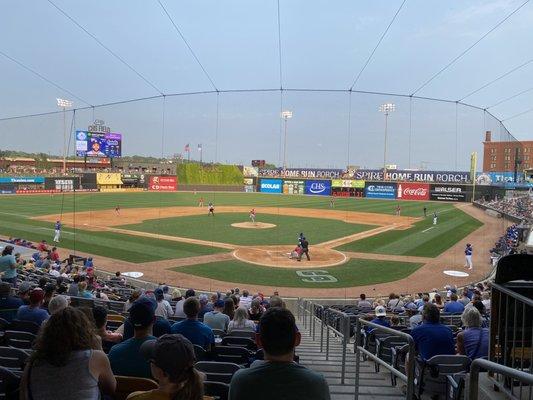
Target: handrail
x,y
526,300
410,361
478,364
345,334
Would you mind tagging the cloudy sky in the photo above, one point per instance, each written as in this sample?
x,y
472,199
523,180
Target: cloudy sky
x,y
103,51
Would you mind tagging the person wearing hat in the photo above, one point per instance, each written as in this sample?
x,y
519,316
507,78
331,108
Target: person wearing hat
x,y
468,256
8,265
164,309
9,304
172,361
24,292
381,318
126,358
34,312
216,319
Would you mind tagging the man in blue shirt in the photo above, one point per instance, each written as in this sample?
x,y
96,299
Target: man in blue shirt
x,y
9,304
57,231
454,306
33,312
8,265
194,330
432,338
126,358
381,318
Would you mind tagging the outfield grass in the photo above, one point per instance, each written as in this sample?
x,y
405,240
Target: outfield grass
x,y
41,205
219,229
452,226
134,249
355,272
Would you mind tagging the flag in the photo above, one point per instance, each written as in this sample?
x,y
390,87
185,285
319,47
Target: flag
x,y
199,147
187,148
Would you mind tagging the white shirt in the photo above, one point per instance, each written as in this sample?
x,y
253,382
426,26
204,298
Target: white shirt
x,y
248,326
163,309
179,309
246,302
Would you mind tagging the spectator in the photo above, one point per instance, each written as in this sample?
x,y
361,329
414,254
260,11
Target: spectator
x,y
9,304
486,300
176,295
437,300
246,299
241,322
278,376
166,294
125,357
49,291
415,317
88,263
381,318
8,266
42,246
236,300
432,338
83,292
24,292
363,302
118,279
134,296
216,319
394,302
101,295
466,298
73,287
394,321
57,304
33,312
276,301
54,255
172,363
229,307
100,322
163,310
473,340
423,301
256,310
453,306
179,305
194,330
66,363
204,306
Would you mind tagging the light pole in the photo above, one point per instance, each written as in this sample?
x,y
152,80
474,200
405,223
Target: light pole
x,y
64,104
386,109
285,115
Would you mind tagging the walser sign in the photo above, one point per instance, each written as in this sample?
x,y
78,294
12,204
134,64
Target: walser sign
x,y
450,193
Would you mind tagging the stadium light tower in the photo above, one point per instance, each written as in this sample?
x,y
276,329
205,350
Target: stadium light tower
x,y
64,104
386,109
285,115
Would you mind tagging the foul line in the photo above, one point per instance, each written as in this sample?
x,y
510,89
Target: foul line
x,y
425,230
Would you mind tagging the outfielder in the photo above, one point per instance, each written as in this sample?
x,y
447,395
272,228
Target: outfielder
x,y
117,210
211,209
57,230
201,202
468,256
435,218
252,215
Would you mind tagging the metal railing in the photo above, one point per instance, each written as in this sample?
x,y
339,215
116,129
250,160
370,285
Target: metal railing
x,y
343,332
512,375
408,378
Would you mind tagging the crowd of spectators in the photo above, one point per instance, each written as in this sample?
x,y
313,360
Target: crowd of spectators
x,y
518,206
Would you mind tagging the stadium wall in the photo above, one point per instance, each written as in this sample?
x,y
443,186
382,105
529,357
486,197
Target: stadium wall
x,y
196,174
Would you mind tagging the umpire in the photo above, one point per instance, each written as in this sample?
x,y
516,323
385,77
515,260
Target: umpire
x,y
304,244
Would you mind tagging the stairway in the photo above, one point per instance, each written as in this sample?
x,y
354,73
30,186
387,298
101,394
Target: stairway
x,y
372,385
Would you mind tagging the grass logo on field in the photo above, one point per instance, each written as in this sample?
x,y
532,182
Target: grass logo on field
x,y
316,275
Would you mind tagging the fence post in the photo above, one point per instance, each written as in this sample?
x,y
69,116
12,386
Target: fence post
x,y
322,330
327,341
357,357
410,372
345,336
313,320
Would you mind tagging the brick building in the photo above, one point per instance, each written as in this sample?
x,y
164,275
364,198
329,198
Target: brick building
x,y
501,156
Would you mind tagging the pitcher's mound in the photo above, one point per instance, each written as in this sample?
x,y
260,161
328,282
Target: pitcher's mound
x,y
251,225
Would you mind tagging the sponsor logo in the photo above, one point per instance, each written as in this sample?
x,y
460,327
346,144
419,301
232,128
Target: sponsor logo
x,y
317,188
270,185
321,188
446,189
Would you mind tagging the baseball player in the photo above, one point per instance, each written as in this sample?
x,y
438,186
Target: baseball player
x,y
468,256
117,210
211,208
201,202
300,238
57,230
398,210
435,218
304,244
332,202
425,212
252,215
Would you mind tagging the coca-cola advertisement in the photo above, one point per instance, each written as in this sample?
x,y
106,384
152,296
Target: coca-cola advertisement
x,y
412,191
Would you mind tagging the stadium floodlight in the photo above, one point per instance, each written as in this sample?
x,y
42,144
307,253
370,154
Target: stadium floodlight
x,y
64,104
386,109
285,115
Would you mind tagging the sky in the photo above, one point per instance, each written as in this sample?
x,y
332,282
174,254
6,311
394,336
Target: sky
x,y
234,45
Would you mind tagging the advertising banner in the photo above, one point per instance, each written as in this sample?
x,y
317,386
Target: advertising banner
x,y
412,176
380,190
322,188
293,187
248,181
348,183
450,193
65,184
412,191
163,183
302,173
22,179
108,178
270,186
249,172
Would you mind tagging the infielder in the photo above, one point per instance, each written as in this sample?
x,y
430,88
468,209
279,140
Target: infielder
x,y
398,210
468,256
117,210
211,209
57,230
201,202
435,218
252,215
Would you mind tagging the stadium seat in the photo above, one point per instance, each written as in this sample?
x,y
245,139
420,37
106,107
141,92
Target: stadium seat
x,y
200,353
3,324
130,384
244,334
9,384
217,371
219,333
384,347
24,326
232,354
18,339
430,375
240,342
217,390
13,359
455,386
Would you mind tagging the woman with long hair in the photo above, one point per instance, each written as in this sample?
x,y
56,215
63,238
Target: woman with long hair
x,y
240,321
256,309
65,364
229,308
172,361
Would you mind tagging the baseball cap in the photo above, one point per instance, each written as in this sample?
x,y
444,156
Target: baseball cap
x,y
142,312
380,311
36,295
173,353
24,287
158,293
219,303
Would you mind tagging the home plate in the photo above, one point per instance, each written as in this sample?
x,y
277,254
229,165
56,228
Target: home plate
x,y
460,274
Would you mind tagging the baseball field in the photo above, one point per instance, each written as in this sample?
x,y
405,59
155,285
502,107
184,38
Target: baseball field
x,y
354,244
